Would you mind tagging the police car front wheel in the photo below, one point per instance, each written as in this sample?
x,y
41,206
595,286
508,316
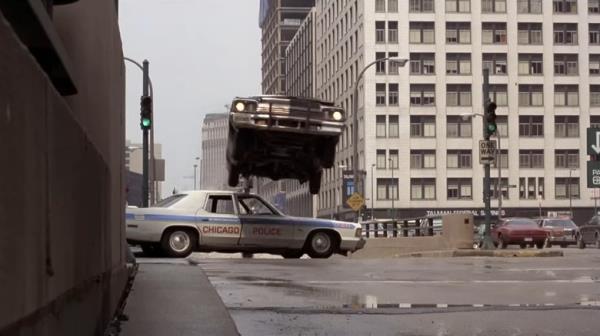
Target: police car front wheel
x,y
178,243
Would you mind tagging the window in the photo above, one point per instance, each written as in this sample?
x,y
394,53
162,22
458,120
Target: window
x,y
565,33
498,94
392,31
461,159
566,158
493,33
421,32
422,159
393,158
252,205
458,64
393,6
529,189
566,64
422,126
594,34
380,66
595,64
422,94
393,94
380,31
387,188
594,6
566,187
458,32
531,64
530,33
502,123
394,127
564,6
393,65
531,95
493,6
529,6
595,121
220,204
459,127
458,95
380,126
380,94
531,126
495,63
458,6
421,6
380,6
381,159
460,188
531,158
566,95
422,64
503,159
595,95
503,186
566,126
422,189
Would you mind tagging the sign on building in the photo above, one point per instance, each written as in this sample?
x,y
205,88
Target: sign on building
x,y
593,149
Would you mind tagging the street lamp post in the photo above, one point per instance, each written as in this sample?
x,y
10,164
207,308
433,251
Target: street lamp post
x,y
400,62
570,195
372,193
195,167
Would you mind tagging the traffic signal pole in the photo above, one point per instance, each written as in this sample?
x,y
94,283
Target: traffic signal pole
x,y
488,244
145,179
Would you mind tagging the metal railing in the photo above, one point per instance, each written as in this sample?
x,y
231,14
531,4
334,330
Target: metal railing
x,y
412,227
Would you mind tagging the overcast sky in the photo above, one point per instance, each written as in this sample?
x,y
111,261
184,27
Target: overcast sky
x,y
202,53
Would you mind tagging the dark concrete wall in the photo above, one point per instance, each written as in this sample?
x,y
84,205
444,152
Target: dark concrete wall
x,y
62,239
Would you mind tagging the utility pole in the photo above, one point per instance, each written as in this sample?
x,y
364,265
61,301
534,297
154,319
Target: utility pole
x,y
489,127
146,124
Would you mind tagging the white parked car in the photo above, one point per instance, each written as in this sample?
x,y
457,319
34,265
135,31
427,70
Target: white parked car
x,y
228,221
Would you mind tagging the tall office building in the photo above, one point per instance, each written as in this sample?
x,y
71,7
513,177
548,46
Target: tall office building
x,y
417,150
213,174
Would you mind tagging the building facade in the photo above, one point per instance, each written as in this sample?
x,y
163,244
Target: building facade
x,y
213,174
134,164
418,151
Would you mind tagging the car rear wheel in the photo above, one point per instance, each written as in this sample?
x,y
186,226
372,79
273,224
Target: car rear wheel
x,y
540,245
523,246
320,245
501,242
580,242
293,254
178,243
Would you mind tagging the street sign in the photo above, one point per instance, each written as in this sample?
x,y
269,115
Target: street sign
x,y
593,174
487,151
356,201
593,141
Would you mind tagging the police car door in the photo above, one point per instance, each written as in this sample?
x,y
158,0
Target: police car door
x,y
219,224
262,225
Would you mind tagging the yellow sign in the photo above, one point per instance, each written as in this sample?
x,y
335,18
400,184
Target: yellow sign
x,y
356,201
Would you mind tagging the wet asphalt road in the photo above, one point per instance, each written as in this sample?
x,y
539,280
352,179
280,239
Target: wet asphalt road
x,y
411,296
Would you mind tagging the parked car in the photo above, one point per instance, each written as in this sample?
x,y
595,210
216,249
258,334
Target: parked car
x,y
282,137
228,221
518,231
589,233
560,231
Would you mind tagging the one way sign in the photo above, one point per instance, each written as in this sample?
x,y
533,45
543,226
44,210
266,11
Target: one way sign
x,y
593,141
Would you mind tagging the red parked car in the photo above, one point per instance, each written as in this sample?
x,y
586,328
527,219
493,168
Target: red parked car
x,y
560,231
518,231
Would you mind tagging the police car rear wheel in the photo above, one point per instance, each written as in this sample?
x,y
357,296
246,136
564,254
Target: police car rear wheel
x,y
178,243
320,245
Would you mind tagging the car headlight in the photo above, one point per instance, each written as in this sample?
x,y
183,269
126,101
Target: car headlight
x,y
240,106
358,233
337,115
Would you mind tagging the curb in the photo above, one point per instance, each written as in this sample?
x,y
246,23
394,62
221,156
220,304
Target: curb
x,y
487,253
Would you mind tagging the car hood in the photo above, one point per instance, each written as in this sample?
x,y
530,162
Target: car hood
x,y
522,227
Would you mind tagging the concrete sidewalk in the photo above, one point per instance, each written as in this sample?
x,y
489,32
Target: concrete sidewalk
x,y
175,300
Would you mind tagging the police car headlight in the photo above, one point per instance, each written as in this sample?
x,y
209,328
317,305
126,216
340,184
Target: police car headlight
x,y
358,233
240,106
337,115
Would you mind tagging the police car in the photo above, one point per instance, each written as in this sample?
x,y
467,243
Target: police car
x,y
229,221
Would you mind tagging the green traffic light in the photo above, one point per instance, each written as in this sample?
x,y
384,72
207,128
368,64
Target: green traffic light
x,y
492,128
146,122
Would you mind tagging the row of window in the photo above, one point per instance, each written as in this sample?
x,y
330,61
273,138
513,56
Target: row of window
x,y
463,159
529,33
461,95
488,6
462,188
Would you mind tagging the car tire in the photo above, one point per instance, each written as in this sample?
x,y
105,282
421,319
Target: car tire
x,y
501,243
597,240
320,245
314,182
247,255
564,245
179,243
580,242
293,254
540,245
326,153
523,246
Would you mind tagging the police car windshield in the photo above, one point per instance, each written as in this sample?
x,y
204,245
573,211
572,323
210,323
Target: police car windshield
x,y
560,223
251,205
169,201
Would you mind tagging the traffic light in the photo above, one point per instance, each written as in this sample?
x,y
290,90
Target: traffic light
x,y
146,113
490,117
